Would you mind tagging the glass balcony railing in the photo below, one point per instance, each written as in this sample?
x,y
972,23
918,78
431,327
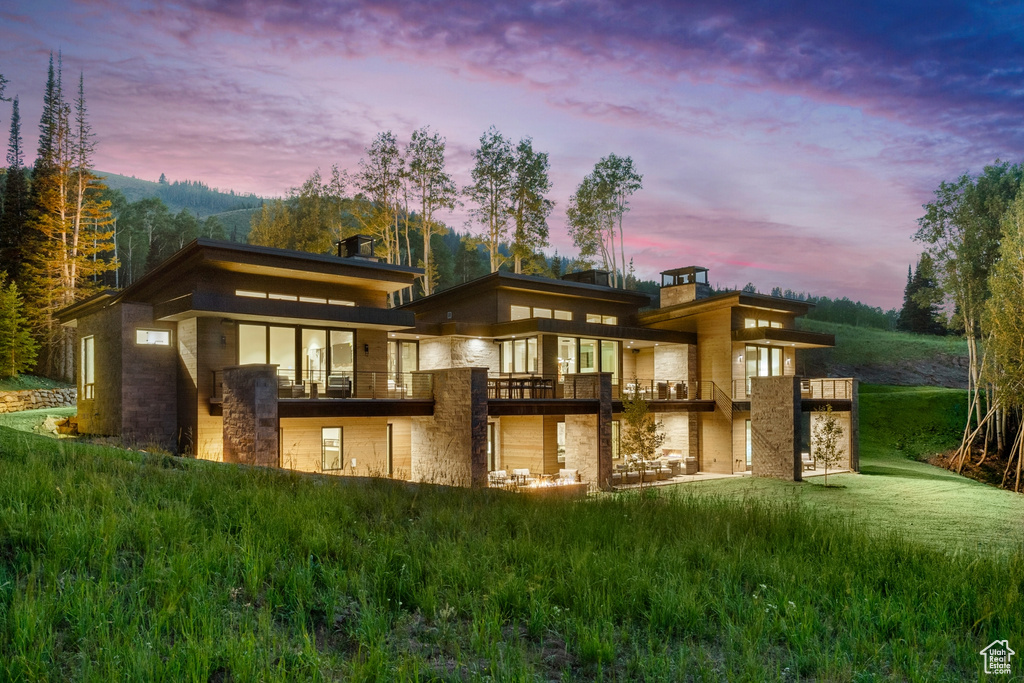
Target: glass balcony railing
x,y
344,385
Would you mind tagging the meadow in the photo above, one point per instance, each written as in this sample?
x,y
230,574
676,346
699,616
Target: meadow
x,y
118,565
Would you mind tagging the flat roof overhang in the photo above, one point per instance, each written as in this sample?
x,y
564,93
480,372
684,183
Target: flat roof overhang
x,y
779,336
671,315
206,304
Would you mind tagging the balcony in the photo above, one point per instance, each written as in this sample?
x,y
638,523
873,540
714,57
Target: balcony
x,y
818,390
346,385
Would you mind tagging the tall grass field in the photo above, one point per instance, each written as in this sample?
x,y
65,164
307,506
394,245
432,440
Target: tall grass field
x,y
124,566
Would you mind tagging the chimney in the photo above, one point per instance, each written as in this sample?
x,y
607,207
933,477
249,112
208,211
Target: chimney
x,y
589,277
356,246
682,285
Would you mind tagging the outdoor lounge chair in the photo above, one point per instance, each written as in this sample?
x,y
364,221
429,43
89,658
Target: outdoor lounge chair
x,y
808,462
497,478
339,386
568,476
288,389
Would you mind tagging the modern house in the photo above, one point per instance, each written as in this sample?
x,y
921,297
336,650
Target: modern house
x,y
286,359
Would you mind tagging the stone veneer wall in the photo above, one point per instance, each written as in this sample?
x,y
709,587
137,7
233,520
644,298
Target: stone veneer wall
x,y
149,408
251,428
458,352
31,399
451,446
588,438
775,427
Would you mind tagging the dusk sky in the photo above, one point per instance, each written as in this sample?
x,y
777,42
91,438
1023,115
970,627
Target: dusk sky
x,y
787,144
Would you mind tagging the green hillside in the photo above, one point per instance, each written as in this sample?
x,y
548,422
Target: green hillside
x,y
882,357
195,196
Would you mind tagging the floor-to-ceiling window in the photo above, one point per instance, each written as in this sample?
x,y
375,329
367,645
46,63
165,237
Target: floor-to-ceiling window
x,y
342,353
403,359
300,354
762,361
519,355
282,351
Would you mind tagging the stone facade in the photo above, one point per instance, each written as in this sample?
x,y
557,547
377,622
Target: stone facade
x,y
775,427
149,408
451,446
458,352
32,399
588,438
251,431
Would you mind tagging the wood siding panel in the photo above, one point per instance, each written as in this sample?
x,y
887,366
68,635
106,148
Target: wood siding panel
x,y
401,448
364,439
522,443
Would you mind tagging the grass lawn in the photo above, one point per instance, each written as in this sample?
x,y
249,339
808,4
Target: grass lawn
x,y
32,420
126,566
895,493
22,382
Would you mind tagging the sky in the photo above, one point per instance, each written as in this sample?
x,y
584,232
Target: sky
x,y
787,144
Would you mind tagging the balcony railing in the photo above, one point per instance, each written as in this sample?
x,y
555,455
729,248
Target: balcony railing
x,y
345,385
840,389
525,386
670,390
823,388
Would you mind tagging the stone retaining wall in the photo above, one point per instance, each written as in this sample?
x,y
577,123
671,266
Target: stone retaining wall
x,y
30,399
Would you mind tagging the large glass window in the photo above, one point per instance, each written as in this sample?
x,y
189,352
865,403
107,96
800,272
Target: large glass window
x,y
610,359
403,357
314,355
588,355
763,361
89,367
566,357
342,352
282,351
519,355
252,344
331,442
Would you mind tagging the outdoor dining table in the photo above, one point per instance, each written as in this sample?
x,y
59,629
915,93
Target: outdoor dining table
x,y
522,387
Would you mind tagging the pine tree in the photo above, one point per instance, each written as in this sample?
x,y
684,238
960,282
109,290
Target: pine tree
x,y
12,223
921,299
71,222
17,347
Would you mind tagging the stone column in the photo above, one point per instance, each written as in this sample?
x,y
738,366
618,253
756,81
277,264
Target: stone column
x,y
855,427
251,428
775,427
451,446
588,438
